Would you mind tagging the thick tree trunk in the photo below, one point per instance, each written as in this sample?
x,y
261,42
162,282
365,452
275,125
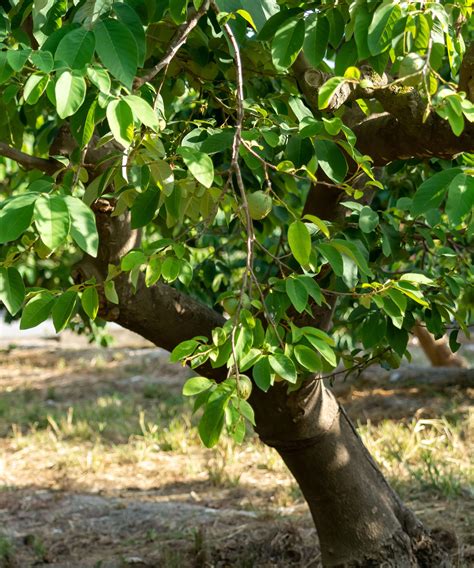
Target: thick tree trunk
x,y
359,519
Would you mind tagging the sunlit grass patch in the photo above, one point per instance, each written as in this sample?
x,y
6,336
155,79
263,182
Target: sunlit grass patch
x,y
425,454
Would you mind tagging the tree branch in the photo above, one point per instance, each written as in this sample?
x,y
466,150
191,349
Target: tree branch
x,y
48,166
466,73
177,42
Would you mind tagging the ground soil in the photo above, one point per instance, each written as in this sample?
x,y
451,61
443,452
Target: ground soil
x,y
72,502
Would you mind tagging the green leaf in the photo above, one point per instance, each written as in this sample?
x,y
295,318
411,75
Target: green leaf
x,y
100,78
196,385
153,271
52,220
361,30
117,50
179,11
90,302
127,15
170,269
76,48
132,259
17,58
110,292
34,87
432,191
83,225
183,350
323,348
380,31
283,366
331,159
43,60
15,216
326,92
120,119
368,219
142,111
460,200
37,310
12,289
70,92
199,164
272,24
212,421
308,359
262,374
144,208
316,39
297,293
333,257
312,288
299,240
287,43
63,309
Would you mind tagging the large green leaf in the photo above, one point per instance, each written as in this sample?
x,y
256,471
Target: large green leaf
x,y
142,111
307,358
76,48
15,216
287,43
63,309
199,164
120,119
299,240
37,310
117,50
283,366
380,31
297,293
460,200
331,159
431,192
144,207
12,289
316,39
52,220
127,15
83,225
70,92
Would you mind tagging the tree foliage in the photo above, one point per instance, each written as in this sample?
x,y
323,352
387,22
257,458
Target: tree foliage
x,y
278,159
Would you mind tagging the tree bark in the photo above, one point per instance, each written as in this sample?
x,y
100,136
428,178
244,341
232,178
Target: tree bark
x,y
359,519
437,350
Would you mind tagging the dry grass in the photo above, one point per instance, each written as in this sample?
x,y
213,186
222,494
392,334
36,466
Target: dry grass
x,y
106,424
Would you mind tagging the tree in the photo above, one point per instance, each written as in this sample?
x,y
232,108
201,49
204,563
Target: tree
x,y
269,190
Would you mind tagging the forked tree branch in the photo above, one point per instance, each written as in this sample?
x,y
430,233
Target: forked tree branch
x,y
46,165
399,133
177,42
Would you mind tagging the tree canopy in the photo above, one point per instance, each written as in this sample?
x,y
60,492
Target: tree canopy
x,y
258,164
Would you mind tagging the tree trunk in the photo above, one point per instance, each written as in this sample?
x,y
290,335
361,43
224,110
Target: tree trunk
x,y
359,518
437,350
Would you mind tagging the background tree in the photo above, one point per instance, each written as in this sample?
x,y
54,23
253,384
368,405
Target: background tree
x,y
268,189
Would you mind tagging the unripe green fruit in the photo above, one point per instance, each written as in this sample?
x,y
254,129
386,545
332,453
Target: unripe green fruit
x,y
179,88
244,386
260,205
411,68
230,305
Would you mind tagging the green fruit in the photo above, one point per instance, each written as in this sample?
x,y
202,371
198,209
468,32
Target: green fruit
x,y
411,67
230,305
260,205
179,88
244,386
